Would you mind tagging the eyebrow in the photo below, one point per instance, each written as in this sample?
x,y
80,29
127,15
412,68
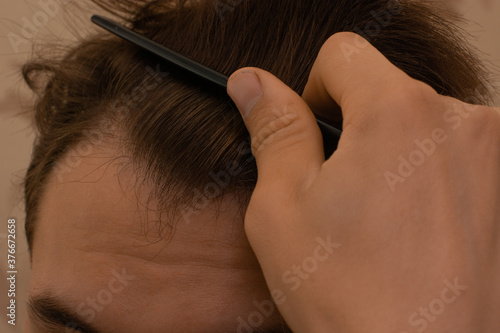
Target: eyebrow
x,y
52,312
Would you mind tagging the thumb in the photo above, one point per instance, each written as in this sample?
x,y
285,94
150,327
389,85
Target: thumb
x,y
286,140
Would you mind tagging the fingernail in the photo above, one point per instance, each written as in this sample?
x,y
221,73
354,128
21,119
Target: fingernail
x,y
245,89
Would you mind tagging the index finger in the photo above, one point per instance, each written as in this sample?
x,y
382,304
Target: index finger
x,y
349,72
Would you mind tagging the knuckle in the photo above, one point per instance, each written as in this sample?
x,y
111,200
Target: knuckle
x,y
481,124
410,95
276,124
409,103
403,104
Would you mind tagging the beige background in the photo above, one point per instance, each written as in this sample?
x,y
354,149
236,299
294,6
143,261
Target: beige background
x,y
16,136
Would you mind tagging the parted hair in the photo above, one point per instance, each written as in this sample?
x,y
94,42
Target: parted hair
x,y
186,138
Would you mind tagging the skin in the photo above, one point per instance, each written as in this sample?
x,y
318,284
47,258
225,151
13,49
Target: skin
x,y
200,278
403,250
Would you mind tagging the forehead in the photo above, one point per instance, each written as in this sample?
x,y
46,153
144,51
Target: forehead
x,y
97,244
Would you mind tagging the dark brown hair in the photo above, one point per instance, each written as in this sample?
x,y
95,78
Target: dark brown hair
x,y
188,139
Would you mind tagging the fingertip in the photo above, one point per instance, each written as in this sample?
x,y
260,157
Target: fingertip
x,y
245,89
241,71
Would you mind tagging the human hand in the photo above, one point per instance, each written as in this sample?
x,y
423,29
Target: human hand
x,y
398,231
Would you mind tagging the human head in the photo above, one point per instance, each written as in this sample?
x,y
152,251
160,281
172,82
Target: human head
x,y
177,147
